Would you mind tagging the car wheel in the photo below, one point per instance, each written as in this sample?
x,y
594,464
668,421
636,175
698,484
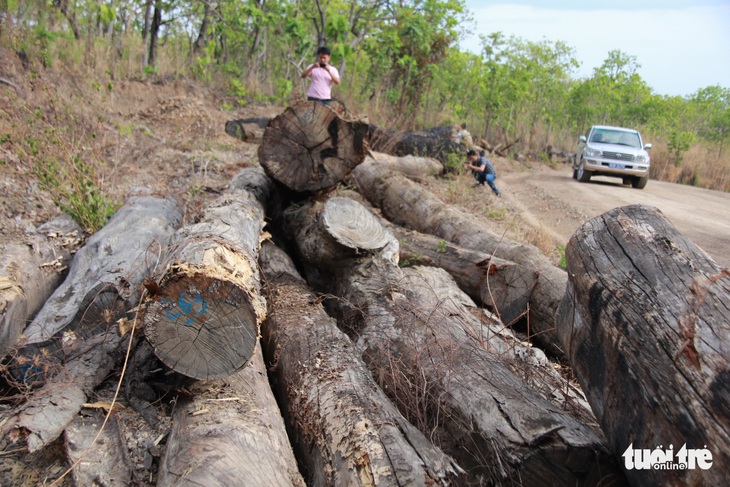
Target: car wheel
x,y
583,176
639,182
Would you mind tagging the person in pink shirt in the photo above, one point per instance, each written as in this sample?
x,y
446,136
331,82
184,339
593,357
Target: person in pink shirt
x,y
323,76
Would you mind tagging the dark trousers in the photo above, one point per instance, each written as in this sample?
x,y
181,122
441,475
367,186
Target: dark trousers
x,y
319,100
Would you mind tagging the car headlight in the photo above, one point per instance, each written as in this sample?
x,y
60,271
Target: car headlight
x,y
593,153
642,159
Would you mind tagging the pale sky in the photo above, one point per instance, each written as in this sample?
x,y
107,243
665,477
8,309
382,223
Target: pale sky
x,y
681,45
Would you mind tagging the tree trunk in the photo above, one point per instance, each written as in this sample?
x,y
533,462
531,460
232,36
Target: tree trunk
x,y
503,286
30,271
202,38
230,433
101,288
205,308
409,204
154,34
346,429
411,166
309,147
497,406
437,142
646,323
247,129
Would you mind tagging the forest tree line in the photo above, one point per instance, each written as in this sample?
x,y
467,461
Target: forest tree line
x,y
400,62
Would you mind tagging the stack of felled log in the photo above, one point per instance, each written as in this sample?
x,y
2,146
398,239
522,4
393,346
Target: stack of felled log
x,y
310,356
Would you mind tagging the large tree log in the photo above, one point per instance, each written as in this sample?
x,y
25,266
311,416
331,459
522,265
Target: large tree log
x,y
346,429
498,406
309,147
436,142
230,433
414,167
205,309
501,285
409,204
30,270
646,323
102,286
247,129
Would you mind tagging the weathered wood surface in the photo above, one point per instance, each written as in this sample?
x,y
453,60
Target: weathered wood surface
x,y
646,323
102,286
30,270
309,147
437,142
501,285
409,204
230,433
101,462
503,412
343,425
247,129
205,306
44,417
415,167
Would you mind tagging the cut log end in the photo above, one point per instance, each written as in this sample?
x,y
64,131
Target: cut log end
x,y
309,147
202,327
352,225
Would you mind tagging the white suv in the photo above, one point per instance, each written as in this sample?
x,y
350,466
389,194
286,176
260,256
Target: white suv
x,y
612,151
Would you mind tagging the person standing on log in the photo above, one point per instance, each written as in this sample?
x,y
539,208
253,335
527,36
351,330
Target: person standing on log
x,y
483,169
323,76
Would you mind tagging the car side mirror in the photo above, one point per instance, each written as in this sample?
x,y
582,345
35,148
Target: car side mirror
x,y
647,146
582,138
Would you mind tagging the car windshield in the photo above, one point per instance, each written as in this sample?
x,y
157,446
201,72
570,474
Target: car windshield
x,y
618,137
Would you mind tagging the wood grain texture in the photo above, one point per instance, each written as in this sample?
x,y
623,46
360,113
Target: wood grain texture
x,y
344,427
309,147
204,314
646,323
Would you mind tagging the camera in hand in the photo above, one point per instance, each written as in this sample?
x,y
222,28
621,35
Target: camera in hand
x,y
322,65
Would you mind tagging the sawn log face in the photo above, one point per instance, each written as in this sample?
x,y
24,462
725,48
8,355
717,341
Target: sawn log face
x,y
646,323
309,147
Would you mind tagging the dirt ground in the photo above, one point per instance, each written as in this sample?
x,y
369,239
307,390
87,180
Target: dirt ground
x,y
166,136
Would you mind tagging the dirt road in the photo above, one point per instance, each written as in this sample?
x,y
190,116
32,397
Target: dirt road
x,y
558,203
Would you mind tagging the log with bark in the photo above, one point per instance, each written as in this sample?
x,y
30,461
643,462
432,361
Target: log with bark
x,y
409,204
501,285
344,427
646,323
497,406
309,147
247,129
30,270
205,305
102,287
436,142
414,167
230,433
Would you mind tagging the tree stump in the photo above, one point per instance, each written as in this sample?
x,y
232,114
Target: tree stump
x,y
205,308
30,271
646,323
309,147
344,427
